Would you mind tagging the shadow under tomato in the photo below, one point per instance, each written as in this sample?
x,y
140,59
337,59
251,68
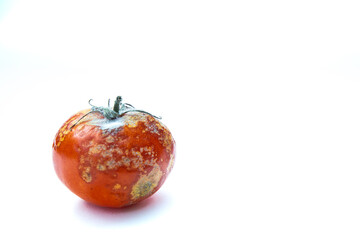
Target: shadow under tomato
x,y
137,213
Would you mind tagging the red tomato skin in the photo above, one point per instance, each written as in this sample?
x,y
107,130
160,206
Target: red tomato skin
x,y
113,163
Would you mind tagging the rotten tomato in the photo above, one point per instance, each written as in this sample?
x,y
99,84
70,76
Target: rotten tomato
x,y
113,157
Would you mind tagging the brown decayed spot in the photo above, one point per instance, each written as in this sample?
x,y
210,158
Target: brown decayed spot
x,y
146,183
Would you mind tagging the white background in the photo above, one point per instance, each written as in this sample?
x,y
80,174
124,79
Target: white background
x,y
262,98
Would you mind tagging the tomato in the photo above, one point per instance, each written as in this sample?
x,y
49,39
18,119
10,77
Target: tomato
x,y
113,157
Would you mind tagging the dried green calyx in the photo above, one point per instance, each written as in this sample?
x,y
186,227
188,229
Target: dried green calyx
x,y
118,110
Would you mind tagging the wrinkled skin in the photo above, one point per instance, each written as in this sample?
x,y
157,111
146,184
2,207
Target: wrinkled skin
x,y
113,163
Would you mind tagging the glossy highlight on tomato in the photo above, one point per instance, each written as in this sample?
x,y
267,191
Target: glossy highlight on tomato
x,y
113,160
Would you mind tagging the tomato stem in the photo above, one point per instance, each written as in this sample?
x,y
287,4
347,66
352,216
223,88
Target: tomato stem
x,y
117,104
118,110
